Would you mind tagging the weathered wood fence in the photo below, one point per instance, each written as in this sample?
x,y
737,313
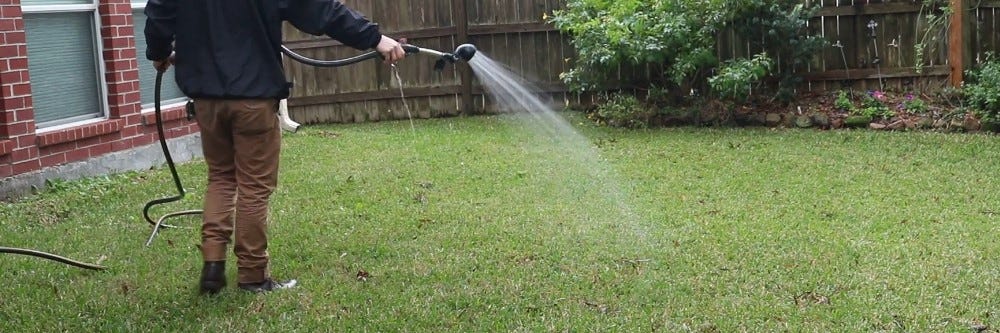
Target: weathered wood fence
x,y
514,32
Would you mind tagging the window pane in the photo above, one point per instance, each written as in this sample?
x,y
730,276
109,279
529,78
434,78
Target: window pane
x,y
55,2
62,66
147,75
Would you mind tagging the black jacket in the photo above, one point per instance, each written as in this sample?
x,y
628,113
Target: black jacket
x,y
222,47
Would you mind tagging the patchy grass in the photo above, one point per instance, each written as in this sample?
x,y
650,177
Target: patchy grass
x,y
476,224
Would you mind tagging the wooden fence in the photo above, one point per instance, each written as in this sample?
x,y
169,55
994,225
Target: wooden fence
x,y
511,31
514,33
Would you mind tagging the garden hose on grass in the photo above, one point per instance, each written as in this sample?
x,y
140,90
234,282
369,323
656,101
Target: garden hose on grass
x,y
52,257
170,164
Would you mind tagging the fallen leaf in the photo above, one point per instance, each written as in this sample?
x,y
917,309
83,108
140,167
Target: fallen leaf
x,y
363,275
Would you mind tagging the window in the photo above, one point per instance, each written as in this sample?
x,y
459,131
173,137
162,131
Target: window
x,y
64,60
169,93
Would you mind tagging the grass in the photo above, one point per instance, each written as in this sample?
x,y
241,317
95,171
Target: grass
x,y
478,224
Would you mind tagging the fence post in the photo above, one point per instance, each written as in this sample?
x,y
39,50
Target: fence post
x,y
958,42
465,72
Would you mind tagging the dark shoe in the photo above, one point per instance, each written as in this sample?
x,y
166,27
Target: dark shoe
x,y
213,277
267,285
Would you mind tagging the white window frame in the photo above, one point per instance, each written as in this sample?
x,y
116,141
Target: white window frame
x,y
102,89
141,60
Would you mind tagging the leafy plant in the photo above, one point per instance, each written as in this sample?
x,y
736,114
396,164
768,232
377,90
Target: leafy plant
x,y
873,106
780,27
622,110
609,34
677,36
737,78
982,91
913,104
843,102
937,15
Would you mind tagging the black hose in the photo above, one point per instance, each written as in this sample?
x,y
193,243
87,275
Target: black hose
x,y
53,257
341,62
166,154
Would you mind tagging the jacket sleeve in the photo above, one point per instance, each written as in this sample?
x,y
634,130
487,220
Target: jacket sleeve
x,y
332,18
161,20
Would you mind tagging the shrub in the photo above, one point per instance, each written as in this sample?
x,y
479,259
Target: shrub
x,y
873,106
782,28
609,34
982,91
843,102
913,104
736,78
622,110
678,36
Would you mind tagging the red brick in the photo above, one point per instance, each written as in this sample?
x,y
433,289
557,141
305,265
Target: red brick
x,y
143,140
15,37
10,11
126,31
128,53
21,154
120,145
100,149
118,19
14,103
21,89
10,76
6,170
130,131
10,51
77,155
25,141
8,25
132,96
53,160
6,146
15,129
24,167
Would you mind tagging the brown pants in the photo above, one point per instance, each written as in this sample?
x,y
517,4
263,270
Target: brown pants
x,y
241,142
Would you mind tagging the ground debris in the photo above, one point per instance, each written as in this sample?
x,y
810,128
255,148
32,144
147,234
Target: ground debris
x,y
811,298
363,275
602,308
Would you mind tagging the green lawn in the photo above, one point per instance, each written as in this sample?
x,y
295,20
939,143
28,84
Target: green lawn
x,y
482,224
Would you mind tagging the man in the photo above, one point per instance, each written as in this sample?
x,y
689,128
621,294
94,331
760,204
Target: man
x,y
227,59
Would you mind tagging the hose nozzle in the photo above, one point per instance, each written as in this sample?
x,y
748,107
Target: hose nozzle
x,y
464,52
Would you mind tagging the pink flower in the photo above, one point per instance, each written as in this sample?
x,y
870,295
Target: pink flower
x,y
879,95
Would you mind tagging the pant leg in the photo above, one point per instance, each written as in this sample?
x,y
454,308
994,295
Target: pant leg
x,y
257,143
220,193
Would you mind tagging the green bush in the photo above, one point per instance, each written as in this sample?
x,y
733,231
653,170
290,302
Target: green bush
x,y
843,102
608,34
622,110
782,28
873,106
737,77
913,104
982,90
678,36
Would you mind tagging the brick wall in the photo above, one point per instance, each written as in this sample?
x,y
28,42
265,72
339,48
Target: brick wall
x,y
23,148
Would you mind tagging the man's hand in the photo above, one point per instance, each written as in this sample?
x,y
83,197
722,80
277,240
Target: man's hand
x,y
162,65
391,50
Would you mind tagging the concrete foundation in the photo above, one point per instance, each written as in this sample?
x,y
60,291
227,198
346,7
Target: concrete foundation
x,y
182,149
